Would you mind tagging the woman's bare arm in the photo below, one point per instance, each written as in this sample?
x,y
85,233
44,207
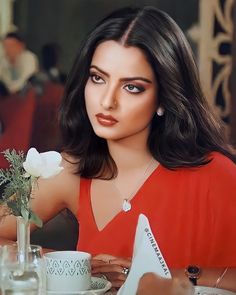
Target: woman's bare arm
x,y
209,277
48,199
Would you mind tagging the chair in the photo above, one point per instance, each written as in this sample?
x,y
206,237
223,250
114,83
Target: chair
x,y
17,114
60,233
45,135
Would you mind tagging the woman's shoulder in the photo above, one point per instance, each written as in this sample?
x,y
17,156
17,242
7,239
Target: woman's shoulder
x,y
222,175
69,175
69,163
221,163
64,182
219,169
217,163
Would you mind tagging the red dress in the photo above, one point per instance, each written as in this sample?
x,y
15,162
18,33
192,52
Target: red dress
x,y
192,213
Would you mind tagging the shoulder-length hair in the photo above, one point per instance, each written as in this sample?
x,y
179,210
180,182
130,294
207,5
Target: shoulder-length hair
x,y
187,132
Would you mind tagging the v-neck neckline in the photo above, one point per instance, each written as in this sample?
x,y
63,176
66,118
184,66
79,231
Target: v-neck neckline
x,y
121,212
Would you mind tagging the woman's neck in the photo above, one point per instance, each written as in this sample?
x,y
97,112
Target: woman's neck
x,y
129,156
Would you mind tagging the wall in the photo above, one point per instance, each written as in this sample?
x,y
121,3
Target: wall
x,y
67,21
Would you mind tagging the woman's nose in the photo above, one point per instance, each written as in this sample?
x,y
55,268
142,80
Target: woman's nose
x,y
109,100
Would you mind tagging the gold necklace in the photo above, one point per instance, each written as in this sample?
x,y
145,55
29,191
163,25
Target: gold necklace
x,y
126,205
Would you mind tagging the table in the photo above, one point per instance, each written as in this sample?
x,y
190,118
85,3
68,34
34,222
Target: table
x,y
4,241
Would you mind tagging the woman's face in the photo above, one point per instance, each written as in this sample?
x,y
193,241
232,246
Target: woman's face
x,y
121,92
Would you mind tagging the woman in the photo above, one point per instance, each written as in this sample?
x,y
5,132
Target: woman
x,y
140,138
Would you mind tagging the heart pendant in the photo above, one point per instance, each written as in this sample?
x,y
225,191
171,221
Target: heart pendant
x,y
126,206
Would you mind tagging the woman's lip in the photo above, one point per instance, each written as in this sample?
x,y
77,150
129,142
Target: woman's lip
x,y
106,120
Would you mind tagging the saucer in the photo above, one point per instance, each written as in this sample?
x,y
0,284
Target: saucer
x,y
98,286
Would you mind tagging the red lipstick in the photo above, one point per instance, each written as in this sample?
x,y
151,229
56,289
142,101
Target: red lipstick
x,y
106,120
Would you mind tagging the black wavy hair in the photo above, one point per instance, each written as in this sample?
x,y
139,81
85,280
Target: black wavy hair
x,y
187,132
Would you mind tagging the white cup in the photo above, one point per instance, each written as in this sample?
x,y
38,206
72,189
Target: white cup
x,y
68,271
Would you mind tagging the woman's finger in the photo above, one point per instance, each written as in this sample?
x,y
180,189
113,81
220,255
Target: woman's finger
x,y
104,257
106,268
113,268
96,262
124,262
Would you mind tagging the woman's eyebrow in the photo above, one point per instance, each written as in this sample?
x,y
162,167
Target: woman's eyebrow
x,y
100,70
122,79
136,78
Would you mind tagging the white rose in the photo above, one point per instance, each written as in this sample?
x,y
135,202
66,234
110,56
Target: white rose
x,y
42,165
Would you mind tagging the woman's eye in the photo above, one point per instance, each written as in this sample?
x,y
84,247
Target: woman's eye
x,y
134,89
96,79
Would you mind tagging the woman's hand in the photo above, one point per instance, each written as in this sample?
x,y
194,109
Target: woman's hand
x,y
151,284
113,268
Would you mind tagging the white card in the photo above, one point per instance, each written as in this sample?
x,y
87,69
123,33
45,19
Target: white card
x,y
147,257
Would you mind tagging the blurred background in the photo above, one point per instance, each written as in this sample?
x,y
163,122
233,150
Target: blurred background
x,y
50,34
62,25
66,22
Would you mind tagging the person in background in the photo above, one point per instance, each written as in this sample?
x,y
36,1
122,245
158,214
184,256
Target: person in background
x,y
20,63
50,70
50,63
140,137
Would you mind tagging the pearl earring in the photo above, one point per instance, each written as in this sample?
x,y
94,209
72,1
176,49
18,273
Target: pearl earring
x,y
160,111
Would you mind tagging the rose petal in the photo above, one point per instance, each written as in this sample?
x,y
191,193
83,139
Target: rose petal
x,y
51,157
33,163
42,164
34,171
51,162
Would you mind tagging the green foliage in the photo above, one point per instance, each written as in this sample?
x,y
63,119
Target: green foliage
x,y
17,187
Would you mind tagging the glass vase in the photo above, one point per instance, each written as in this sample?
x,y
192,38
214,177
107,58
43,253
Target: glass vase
x,y
18,281
30,257
23,239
